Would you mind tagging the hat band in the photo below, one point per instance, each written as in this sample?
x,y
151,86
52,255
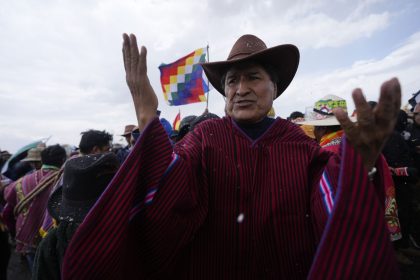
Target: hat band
x,y
241,55
330,113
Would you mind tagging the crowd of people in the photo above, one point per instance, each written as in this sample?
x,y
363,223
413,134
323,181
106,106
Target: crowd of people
x,y
317,195
32,216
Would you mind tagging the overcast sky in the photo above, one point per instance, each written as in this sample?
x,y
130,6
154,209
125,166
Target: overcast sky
x,y
61,69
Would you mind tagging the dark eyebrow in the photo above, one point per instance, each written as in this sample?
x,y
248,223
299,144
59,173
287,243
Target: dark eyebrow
x,y
230,74
254,72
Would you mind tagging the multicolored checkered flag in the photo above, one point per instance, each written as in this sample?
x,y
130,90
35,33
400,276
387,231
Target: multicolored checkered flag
x,y
183,81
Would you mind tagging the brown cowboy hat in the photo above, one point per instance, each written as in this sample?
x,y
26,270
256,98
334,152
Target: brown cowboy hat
x,y
127,129
284,58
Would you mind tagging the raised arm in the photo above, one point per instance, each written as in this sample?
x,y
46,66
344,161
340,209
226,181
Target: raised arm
x,y
135,64
369,135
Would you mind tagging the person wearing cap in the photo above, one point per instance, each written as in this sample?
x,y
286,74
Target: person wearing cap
x,y
123,152
127,134
238,197
84,180
327,129
26,201
34,158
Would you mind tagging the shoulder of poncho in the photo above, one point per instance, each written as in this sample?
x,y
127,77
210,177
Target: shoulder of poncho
x,y
212,126
31,175
286,131
282,130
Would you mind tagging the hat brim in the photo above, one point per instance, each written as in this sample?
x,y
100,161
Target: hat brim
x,y
64,209
75,211
325,122
284,58
31,159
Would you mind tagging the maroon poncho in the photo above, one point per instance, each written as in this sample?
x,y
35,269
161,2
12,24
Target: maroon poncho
x,y
222,206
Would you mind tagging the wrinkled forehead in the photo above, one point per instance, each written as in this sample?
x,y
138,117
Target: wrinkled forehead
x,y
243,67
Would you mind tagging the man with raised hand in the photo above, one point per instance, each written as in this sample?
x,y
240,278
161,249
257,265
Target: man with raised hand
x,y
239,197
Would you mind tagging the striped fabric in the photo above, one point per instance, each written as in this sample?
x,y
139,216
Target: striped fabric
x,y
232,208
327,192
30,219
355,244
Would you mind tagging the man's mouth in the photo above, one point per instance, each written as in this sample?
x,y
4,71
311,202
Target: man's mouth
x,y
244,103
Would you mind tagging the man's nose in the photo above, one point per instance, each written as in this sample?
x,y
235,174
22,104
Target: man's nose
x,y
243,87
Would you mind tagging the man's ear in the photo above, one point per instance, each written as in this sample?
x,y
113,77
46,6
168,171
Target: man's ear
x,y
95,150
275,90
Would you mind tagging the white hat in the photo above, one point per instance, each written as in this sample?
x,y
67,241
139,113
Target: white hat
x,y
322,113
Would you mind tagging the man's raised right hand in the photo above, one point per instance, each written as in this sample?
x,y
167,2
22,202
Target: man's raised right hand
x,y
135,64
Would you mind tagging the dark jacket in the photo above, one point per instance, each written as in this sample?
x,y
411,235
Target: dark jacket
x,y
51,250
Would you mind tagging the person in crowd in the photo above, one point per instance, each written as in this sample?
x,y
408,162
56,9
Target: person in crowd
x,y
184,126
92,142
123,152
34,158
4,235
4,156
405,175
412,135
167,126
26,201
4,244
16,168
85,178
127,134
174,135
189,122
95,142
296,117
238,198
203,117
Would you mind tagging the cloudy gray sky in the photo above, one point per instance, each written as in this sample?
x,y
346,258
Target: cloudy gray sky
x,y
61,69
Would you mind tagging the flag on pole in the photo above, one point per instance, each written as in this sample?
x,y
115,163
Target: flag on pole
x,y
177,121
183,81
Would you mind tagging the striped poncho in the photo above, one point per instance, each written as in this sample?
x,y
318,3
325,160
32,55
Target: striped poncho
x,y
220,205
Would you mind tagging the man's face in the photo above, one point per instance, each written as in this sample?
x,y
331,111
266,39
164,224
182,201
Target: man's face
x,y
249,93
36,164
128,139
101,150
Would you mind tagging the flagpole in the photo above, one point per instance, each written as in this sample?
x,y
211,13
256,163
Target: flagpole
x,y
208,86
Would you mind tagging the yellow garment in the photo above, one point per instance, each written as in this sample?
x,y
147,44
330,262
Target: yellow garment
x,y
44,233
309,130
271,113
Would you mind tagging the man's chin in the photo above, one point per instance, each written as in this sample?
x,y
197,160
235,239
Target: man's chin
x,y
246,118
